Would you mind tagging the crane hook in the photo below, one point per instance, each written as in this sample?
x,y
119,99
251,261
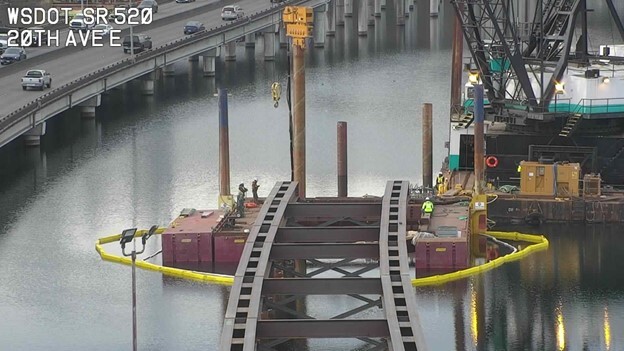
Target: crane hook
x,y
276,92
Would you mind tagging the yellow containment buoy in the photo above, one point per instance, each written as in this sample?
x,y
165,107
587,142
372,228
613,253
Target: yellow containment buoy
x,y
276,92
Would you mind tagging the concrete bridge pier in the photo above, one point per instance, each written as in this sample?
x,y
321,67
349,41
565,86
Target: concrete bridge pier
x,y
434,8
250,40
168,70
147,84
230,51
348,8
330,19
87,108
339,13
318,29
283,39
363,19
33,136
193,58
270,43
377,8
400,12
371,10
209,59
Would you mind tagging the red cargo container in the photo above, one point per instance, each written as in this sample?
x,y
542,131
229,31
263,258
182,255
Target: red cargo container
x,y
228,248
189,238
450,248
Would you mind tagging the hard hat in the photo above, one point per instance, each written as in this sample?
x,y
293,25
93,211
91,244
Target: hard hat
x,y
427,198
439,173
255,179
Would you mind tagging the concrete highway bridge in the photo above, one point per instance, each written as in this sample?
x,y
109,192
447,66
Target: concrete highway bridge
x,y
81,74
266,307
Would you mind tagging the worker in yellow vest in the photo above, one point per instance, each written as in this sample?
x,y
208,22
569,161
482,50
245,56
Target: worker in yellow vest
x,y
519,169
440,184
427,206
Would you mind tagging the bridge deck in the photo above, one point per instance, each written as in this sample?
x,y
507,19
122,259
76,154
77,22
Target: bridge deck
x,y
292,248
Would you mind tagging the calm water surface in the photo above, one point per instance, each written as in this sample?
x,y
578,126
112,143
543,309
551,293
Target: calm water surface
x,y
145,158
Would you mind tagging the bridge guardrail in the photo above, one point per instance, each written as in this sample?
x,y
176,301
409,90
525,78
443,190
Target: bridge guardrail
x,y
52,96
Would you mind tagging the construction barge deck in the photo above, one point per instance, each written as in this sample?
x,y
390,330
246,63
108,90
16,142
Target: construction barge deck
x,y
213,240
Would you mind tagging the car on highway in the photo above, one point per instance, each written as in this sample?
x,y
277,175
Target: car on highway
x,y
78,23
140,43
184,1
232,12
147,4
193,27
12,54
39,36
277,1
102,29
118,13
4,42
36,78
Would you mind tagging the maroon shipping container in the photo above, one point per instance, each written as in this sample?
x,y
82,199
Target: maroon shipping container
x,y
450,248
442,254
228,248
189,237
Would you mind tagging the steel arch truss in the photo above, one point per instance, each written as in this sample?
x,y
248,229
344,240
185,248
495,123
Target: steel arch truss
x,y
328,239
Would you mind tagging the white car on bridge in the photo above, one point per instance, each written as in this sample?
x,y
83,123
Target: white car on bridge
x,y
36,78
230,13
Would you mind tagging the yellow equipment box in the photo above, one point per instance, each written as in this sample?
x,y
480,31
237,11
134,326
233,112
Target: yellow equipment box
x,y
556,179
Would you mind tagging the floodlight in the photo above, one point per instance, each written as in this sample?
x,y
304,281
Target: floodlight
x,y
150,232
473,77
127,236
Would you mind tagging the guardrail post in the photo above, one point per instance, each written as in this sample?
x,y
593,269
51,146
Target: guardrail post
x,y
230,51
33,136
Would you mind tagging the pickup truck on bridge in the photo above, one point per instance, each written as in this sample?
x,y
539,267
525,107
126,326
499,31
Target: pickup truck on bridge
x,y
36,78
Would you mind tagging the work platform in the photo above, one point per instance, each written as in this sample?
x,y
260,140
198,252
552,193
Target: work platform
x,y
267,304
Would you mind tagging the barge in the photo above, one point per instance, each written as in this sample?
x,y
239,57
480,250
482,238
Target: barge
x,y
213,240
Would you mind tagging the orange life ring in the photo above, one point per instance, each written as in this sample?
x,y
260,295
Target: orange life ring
x,y
491,161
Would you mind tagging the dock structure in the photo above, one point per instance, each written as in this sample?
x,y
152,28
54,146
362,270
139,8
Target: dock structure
x,y
266,307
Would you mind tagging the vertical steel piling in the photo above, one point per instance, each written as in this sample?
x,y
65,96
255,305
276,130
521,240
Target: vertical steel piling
x,y
342,159
224,145
479,157
299,147
456,67
427,140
